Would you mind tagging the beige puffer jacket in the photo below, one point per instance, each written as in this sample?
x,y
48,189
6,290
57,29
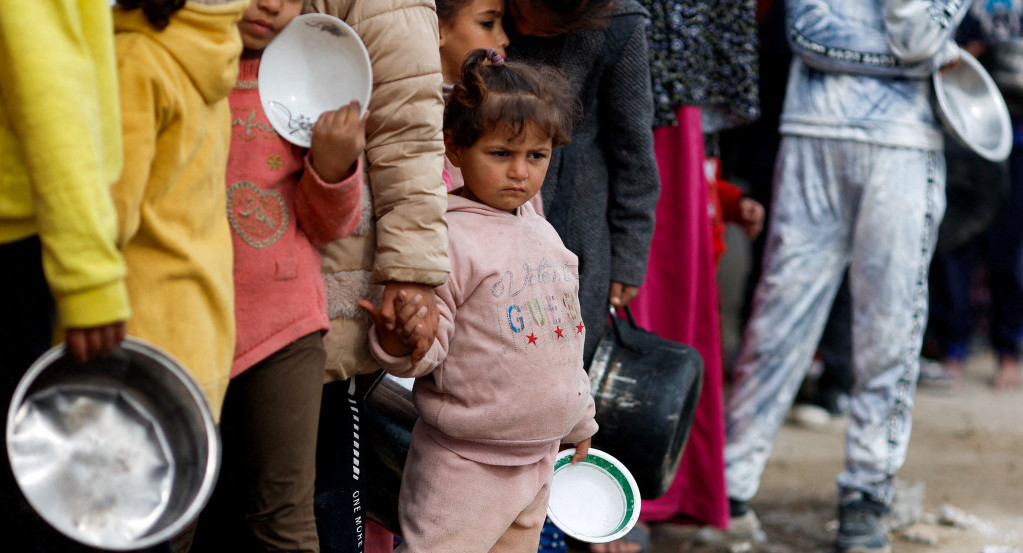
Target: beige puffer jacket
x,y
407,239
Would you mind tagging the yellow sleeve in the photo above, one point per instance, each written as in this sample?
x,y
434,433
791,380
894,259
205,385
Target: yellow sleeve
x,y
59,92
139,124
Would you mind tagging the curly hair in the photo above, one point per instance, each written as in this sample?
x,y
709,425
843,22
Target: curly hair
x,y
158,12
509,94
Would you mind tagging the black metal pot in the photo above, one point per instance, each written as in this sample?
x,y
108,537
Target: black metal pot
x,y
646,389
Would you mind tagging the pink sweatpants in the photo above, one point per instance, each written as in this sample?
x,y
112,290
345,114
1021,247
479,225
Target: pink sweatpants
x,y
448,503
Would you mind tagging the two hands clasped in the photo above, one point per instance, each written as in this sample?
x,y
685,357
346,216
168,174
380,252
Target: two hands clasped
x,y
406,321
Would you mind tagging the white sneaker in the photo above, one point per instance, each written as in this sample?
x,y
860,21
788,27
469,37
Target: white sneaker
x,y
745,528
808,415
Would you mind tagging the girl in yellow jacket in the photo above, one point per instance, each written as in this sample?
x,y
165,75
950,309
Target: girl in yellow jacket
x,y
176,65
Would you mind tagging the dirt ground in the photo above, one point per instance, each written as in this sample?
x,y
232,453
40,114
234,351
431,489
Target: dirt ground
x,y
965,455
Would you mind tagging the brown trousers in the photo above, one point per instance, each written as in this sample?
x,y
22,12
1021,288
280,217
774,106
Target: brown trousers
x,y
264,497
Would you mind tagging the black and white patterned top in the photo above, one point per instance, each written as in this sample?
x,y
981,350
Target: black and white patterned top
x,y
704,53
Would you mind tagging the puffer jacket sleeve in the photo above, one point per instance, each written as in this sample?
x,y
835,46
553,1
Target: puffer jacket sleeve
x,y
911,38
404,142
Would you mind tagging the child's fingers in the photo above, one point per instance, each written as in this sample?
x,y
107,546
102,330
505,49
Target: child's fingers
x,y
414,324
387,313
346,116
406,310
582,449
327,120
370,308
352,110
403,303
422,346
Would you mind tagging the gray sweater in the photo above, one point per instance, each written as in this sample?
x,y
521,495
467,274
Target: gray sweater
x,y
601,190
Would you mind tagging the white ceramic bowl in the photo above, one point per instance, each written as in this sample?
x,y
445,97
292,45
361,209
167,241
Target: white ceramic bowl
x,y
118,454
595,500
972,108
316,64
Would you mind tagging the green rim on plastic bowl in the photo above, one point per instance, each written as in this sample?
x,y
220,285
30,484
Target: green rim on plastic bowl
x,y
595,500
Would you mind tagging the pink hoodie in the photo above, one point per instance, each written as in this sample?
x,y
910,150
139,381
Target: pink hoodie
x,y
504,379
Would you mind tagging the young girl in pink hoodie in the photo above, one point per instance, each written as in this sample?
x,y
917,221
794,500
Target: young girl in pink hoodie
x,y
503,385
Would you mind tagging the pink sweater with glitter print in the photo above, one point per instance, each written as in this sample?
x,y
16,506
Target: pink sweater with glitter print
x,y
280,212
504,379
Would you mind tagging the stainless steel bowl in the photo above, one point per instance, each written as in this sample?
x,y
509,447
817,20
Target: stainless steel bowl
x,y
118,454
972,108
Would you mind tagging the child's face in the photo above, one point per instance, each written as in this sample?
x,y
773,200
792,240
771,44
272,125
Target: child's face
x,y
264,19
501,172
476,25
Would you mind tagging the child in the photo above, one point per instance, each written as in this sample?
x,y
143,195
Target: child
x,y
601,191
282,203
60,150
176,64
465,25
503,385
729,204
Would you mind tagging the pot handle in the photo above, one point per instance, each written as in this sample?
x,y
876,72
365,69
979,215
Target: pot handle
x,y
619,335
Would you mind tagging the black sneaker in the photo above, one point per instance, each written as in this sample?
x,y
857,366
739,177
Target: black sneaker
x,y
834,402
859,528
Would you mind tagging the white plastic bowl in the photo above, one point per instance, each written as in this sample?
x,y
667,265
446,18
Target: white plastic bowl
x,y
595,500
316,64
972,108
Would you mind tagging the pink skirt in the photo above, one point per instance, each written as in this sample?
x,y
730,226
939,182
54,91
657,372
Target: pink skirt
x,y
679,301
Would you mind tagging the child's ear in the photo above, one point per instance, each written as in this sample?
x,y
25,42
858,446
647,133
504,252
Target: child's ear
x,y
453,152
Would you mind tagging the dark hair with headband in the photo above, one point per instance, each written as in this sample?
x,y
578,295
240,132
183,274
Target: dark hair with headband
x,y
158,12
493,93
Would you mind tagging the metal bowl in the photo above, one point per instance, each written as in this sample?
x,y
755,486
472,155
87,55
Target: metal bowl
x,y
972,108
120,453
